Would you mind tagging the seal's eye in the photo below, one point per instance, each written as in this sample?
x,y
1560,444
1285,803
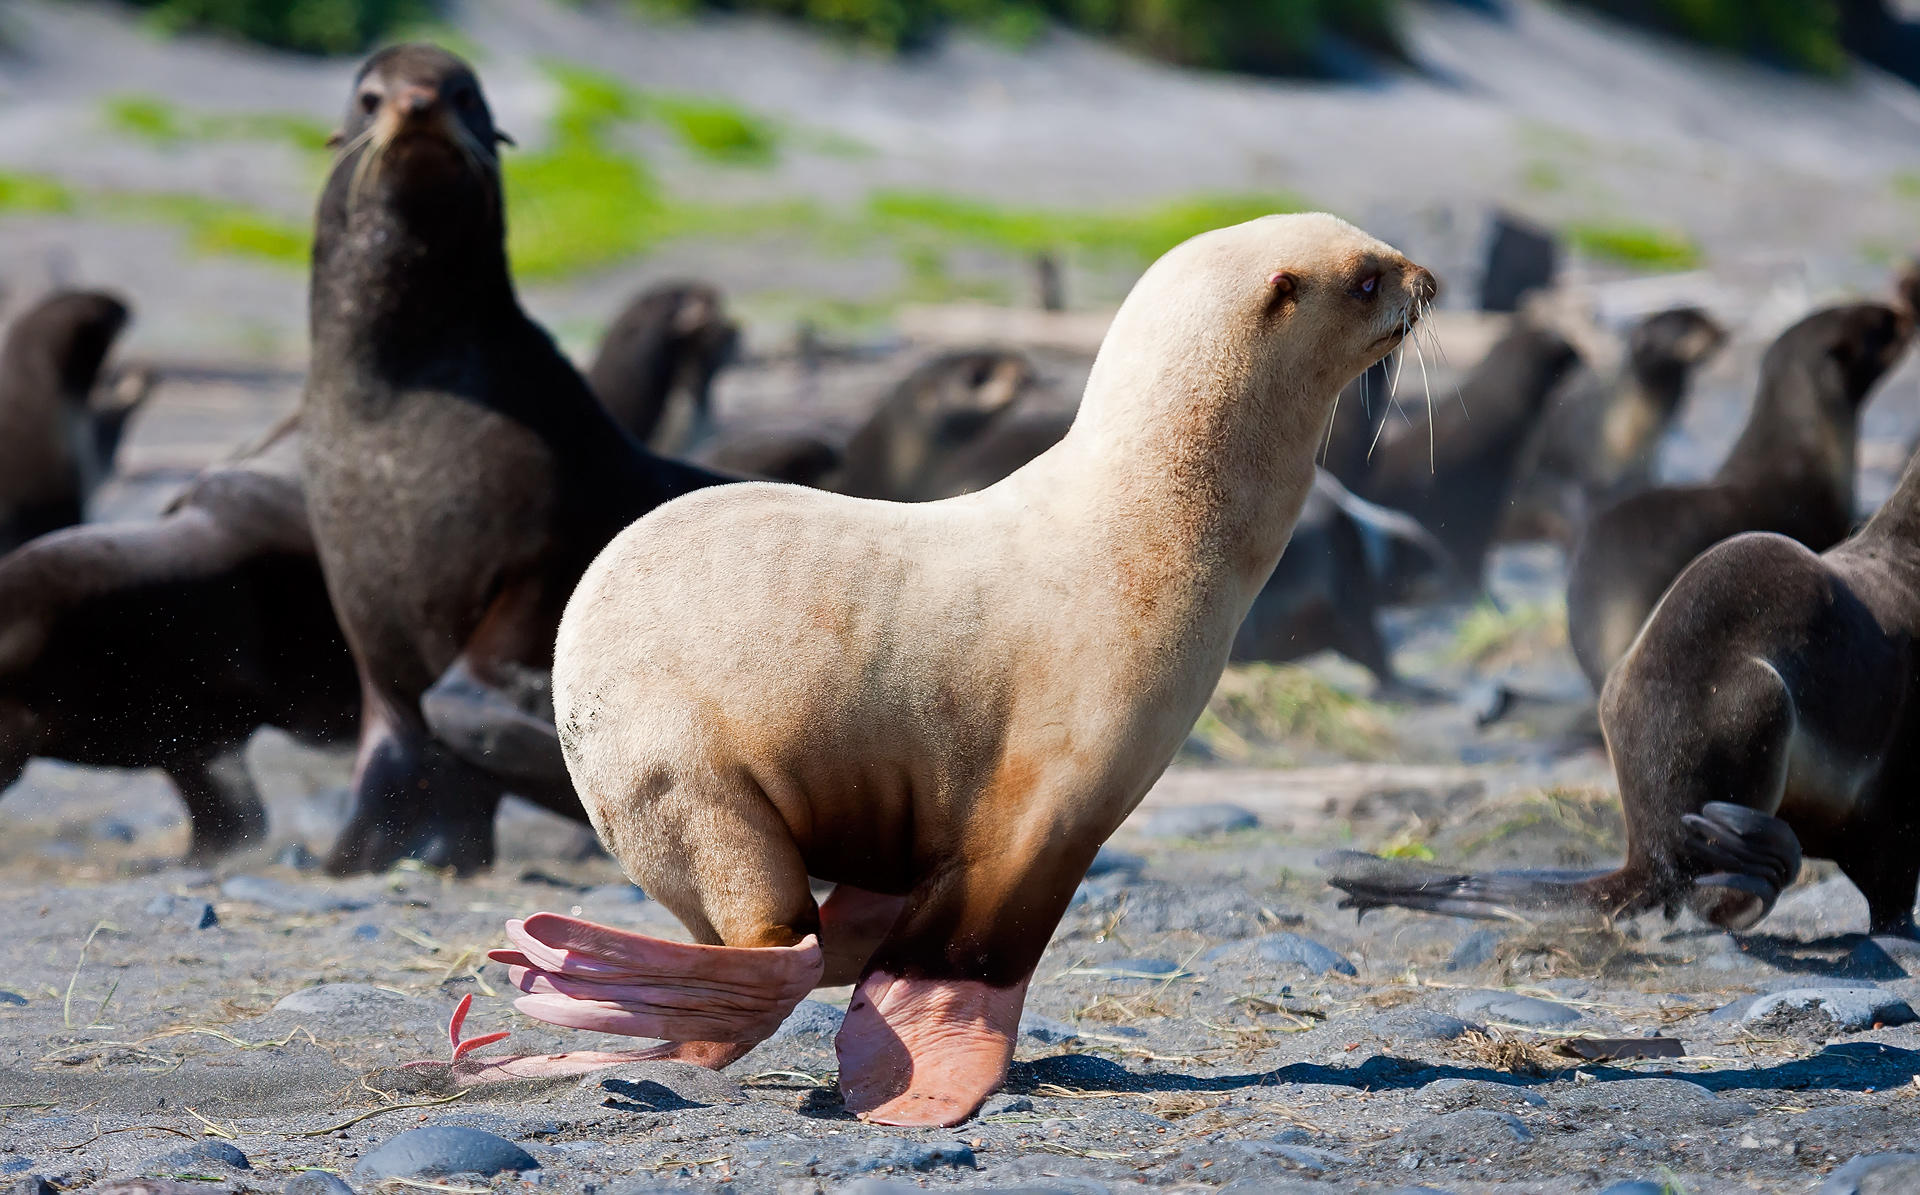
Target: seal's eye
x,y
369,102
1367,286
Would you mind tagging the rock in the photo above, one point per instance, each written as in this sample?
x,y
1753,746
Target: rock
x,y
1821,1012
1875,1174
1636,1186
316,1182
1733,1011
1670,1103
1006,1105
1035,1027
1521,256
897,1153
112,829
286,898
11,999
1303,952
1154,970
366,933
810,1020
1468,1135
1516,1009
1832,906
1451,1095
358,1007
1198,821
656,1087
439,1150
192,913
1419,1024
1475,949
31,1184
198,1158
1108,861
297,856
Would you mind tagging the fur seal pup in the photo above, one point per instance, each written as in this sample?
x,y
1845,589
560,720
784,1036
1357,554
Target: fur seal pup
x,y
943,708
1791,472
1598,439
1452,468
1771,705
167,643
459,473
56,445
666,344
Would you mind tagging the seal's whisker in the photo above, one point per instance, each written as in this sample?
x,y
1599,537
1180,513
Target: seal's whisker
x,y
367,168
1427,385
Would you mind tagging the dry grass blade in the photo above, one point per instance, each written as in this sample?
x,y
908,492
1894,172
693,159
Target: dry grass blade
x,y
214,1129
132,1128
1504,1051
421,1185
372,1112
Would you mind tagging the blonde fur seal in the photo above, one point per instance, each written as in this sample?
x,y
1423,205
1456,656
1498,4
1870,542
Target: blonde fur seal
x,y
944,708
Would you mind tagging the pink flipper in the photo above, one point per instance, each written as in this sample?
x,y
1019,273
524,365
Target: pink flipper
x,y
925,1052
588,976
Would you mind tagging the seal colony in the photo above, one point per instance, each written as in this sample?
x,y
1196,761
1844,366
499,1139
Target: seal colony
x,y
765,683
437,412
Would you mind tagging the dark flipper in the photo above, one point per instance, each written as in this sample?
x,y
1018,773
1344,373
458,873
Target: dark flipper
x,y
1748,858
1371,882
505,730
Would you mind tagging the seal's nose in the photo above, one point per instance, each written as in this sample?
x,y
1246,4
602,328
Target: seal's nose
x,y
1423,284
416,99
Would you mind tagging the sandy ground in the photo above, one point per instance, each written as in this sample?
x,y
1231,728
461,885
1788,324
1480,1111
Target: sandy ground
x,y
1206,1017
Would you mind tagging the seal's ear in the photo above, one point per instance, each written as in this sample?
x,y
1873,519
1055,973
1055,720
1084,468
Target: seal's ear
x,y
336,139
1283,286
503,139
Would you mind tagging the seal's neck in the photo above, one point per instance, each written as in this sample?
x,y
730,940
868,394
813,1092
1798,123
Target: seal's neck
x,y
1800,430
1199,459
1894,531
398,277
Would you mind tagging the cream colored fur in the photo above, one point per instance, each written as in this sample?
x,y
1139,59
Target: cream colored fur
x,y
995,677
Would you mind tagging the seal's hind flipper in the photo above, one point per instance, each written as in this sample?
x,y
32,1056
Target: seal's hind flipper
x,y
925,1052
1371,882
1749,858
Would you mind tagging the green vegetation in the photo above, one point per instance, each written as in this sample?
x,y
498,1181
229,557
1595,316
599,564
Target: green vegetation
x,y
311,26
1142,233
32,193
153,119
717,131
1492,638
1635,245
1799,34
1543,177
1259,710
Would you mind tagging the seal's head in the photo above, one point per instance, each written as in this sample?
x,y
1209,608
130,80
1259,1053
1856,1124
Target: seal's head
x,y
1283,309
1845,349
65,339
417,113
1664,347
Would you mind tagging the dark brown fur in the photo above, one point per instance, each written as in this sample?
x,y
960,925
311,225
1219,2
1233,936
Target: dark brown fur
x,y
166,644
54,446
459,472
1791,472
666,344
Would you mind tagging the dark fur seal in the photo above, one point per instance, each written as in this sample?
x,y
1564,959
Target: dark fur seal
x,y
1771,705
1597,441
56,445
166,644
1791,472
460,475
656,363
1452,469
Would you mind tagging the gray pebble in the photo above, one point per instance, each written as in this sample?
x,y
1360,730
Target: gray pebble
x,y
1733,1011
1035,1027
1469,1133
1831,906
194,914
810,1020
897,1153
366,933
1873,1174
1108,861
1198,821
11,998
1818,1012
286,898
31,1184
15,1164
1155,970
1419,1024
358,1007
1454,1094
1304,952
297,856
316,1182
657,1087
112,829
1636,1186
1475,949
1006,1105
439,1150
1670,1103
198,1158
1517,1009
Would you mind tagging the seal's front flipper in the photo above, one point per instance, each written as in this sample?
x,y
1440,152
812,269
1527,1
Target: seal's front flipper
x,y
503,726
1371,882
1749,858
925,1052
588,976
